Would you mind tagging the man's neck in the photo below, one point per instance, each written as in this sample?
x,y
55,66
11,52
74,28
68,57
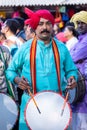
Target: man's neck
x,y
9,35
45,41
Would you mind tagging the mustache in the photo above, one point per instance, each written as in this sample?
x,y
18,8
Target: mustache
x,y
45,30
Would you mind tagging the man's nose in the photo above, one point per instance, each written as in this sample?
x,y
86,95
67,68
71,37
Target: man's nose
x,y
44,26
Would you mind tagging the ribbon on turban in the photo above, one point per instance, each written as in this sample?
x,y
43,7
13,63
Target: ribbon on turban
x,y
80,16
34,17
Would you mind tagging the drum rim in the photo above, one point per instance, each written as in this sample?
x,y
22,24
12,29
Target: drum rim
x,y
43,92
16,106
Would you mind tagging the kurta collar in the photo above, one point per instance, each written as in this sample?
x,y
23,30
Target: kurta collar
x,y
43,45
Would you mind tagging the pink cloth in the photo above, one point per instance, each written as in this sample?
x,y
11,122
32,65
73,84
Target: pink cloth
x,y
60,36
16,14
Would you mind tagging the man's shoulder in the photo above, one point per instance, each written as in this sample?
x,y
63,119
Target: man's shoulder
x,y
59,43
4,49
27,44
61,46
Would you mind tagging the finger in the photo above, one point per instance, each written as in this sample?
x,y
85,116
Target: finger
x,y
68,87
24,79
72,86
23,87
71,81
24,84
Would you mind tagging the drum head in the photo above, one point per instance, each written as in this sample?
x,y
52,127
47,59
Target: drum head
x,y
8,112
50,105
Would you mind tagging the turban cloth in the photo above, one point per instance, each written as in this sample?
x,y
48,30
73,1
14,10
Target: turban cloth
x,y
80,16
46,15
34,17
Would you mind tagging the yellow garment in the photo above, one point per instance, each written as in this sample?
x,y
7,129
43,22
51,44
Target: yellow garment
x,y
80,16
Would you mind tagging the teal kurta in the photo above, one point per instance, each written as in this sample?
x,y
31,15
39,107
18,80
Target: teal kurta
x,y
46,76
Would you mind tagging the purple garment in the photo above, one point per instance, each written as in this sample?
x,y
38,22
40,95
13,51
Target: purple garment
x,y
79,52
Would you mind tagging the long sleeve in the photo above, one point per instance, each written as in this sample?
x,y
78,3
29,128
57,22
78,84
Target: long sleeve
x,y
17,64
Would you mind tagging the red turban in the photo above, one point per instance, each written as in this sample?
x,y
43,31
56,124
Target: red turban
x,y
46,15
33,22
34,17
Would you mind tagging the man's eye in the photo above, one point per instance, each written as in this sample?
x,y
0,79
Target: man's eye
x,y
40,23
49,23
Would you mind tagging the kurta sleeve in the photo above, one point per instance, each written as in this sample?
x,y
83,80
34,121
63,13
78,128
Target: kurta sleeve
x,y
69,66
15,65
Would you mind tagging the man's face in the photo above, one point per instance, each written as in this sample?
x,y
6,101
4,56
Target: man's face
x,y
28,32
44,30
81,27
4,28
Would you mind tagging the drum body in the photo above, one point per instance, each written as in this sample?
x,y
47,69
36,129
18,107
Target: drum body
x,y
78,93
8,112
50,118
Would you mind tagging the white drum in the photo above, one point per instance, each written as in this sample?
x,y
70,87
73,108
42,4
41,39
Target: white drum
x,y
8,112
50,118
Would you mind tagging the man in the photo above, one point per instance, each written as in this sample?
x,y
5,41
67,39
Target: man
x,y
20,31
79,55
39,63
9,29
4,61
2,38
29,31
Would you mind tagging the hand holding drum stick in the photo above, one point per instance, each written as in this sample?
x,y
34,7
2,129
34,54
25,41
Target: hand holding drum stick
x,y
71,85
24,85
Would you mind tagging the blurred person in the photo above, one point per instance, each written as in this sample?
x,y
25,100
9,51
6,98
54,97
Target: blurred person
x,y
20,31
79,56
71,34
57,32
56,29
2,38
70,24
61,37
47,70
5,58
2,20
16,12
9,29
29,32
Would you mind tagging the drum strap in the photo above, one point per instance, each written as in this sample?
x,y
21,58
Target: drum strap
x,y
9,86
33,63
57,62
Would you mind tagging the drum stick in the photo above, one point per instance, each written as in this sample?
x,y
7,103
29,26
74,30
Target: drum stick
x,y
64,103
34,101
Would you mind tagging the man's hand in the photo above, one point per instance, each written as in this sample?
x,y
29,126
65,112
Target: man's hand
x,y
71,83
22,83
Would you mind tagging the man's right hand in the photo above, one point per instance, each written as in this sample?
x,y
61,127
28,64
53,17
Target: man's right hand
x,y
22,83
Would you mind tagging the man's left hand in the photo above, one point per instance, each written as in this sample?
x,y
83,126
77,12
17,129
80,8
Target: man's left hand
x,y
71,83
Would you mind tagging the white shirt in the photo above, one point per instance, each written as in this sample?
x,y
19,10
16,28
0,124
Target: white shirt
x,y
71,42
15,39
